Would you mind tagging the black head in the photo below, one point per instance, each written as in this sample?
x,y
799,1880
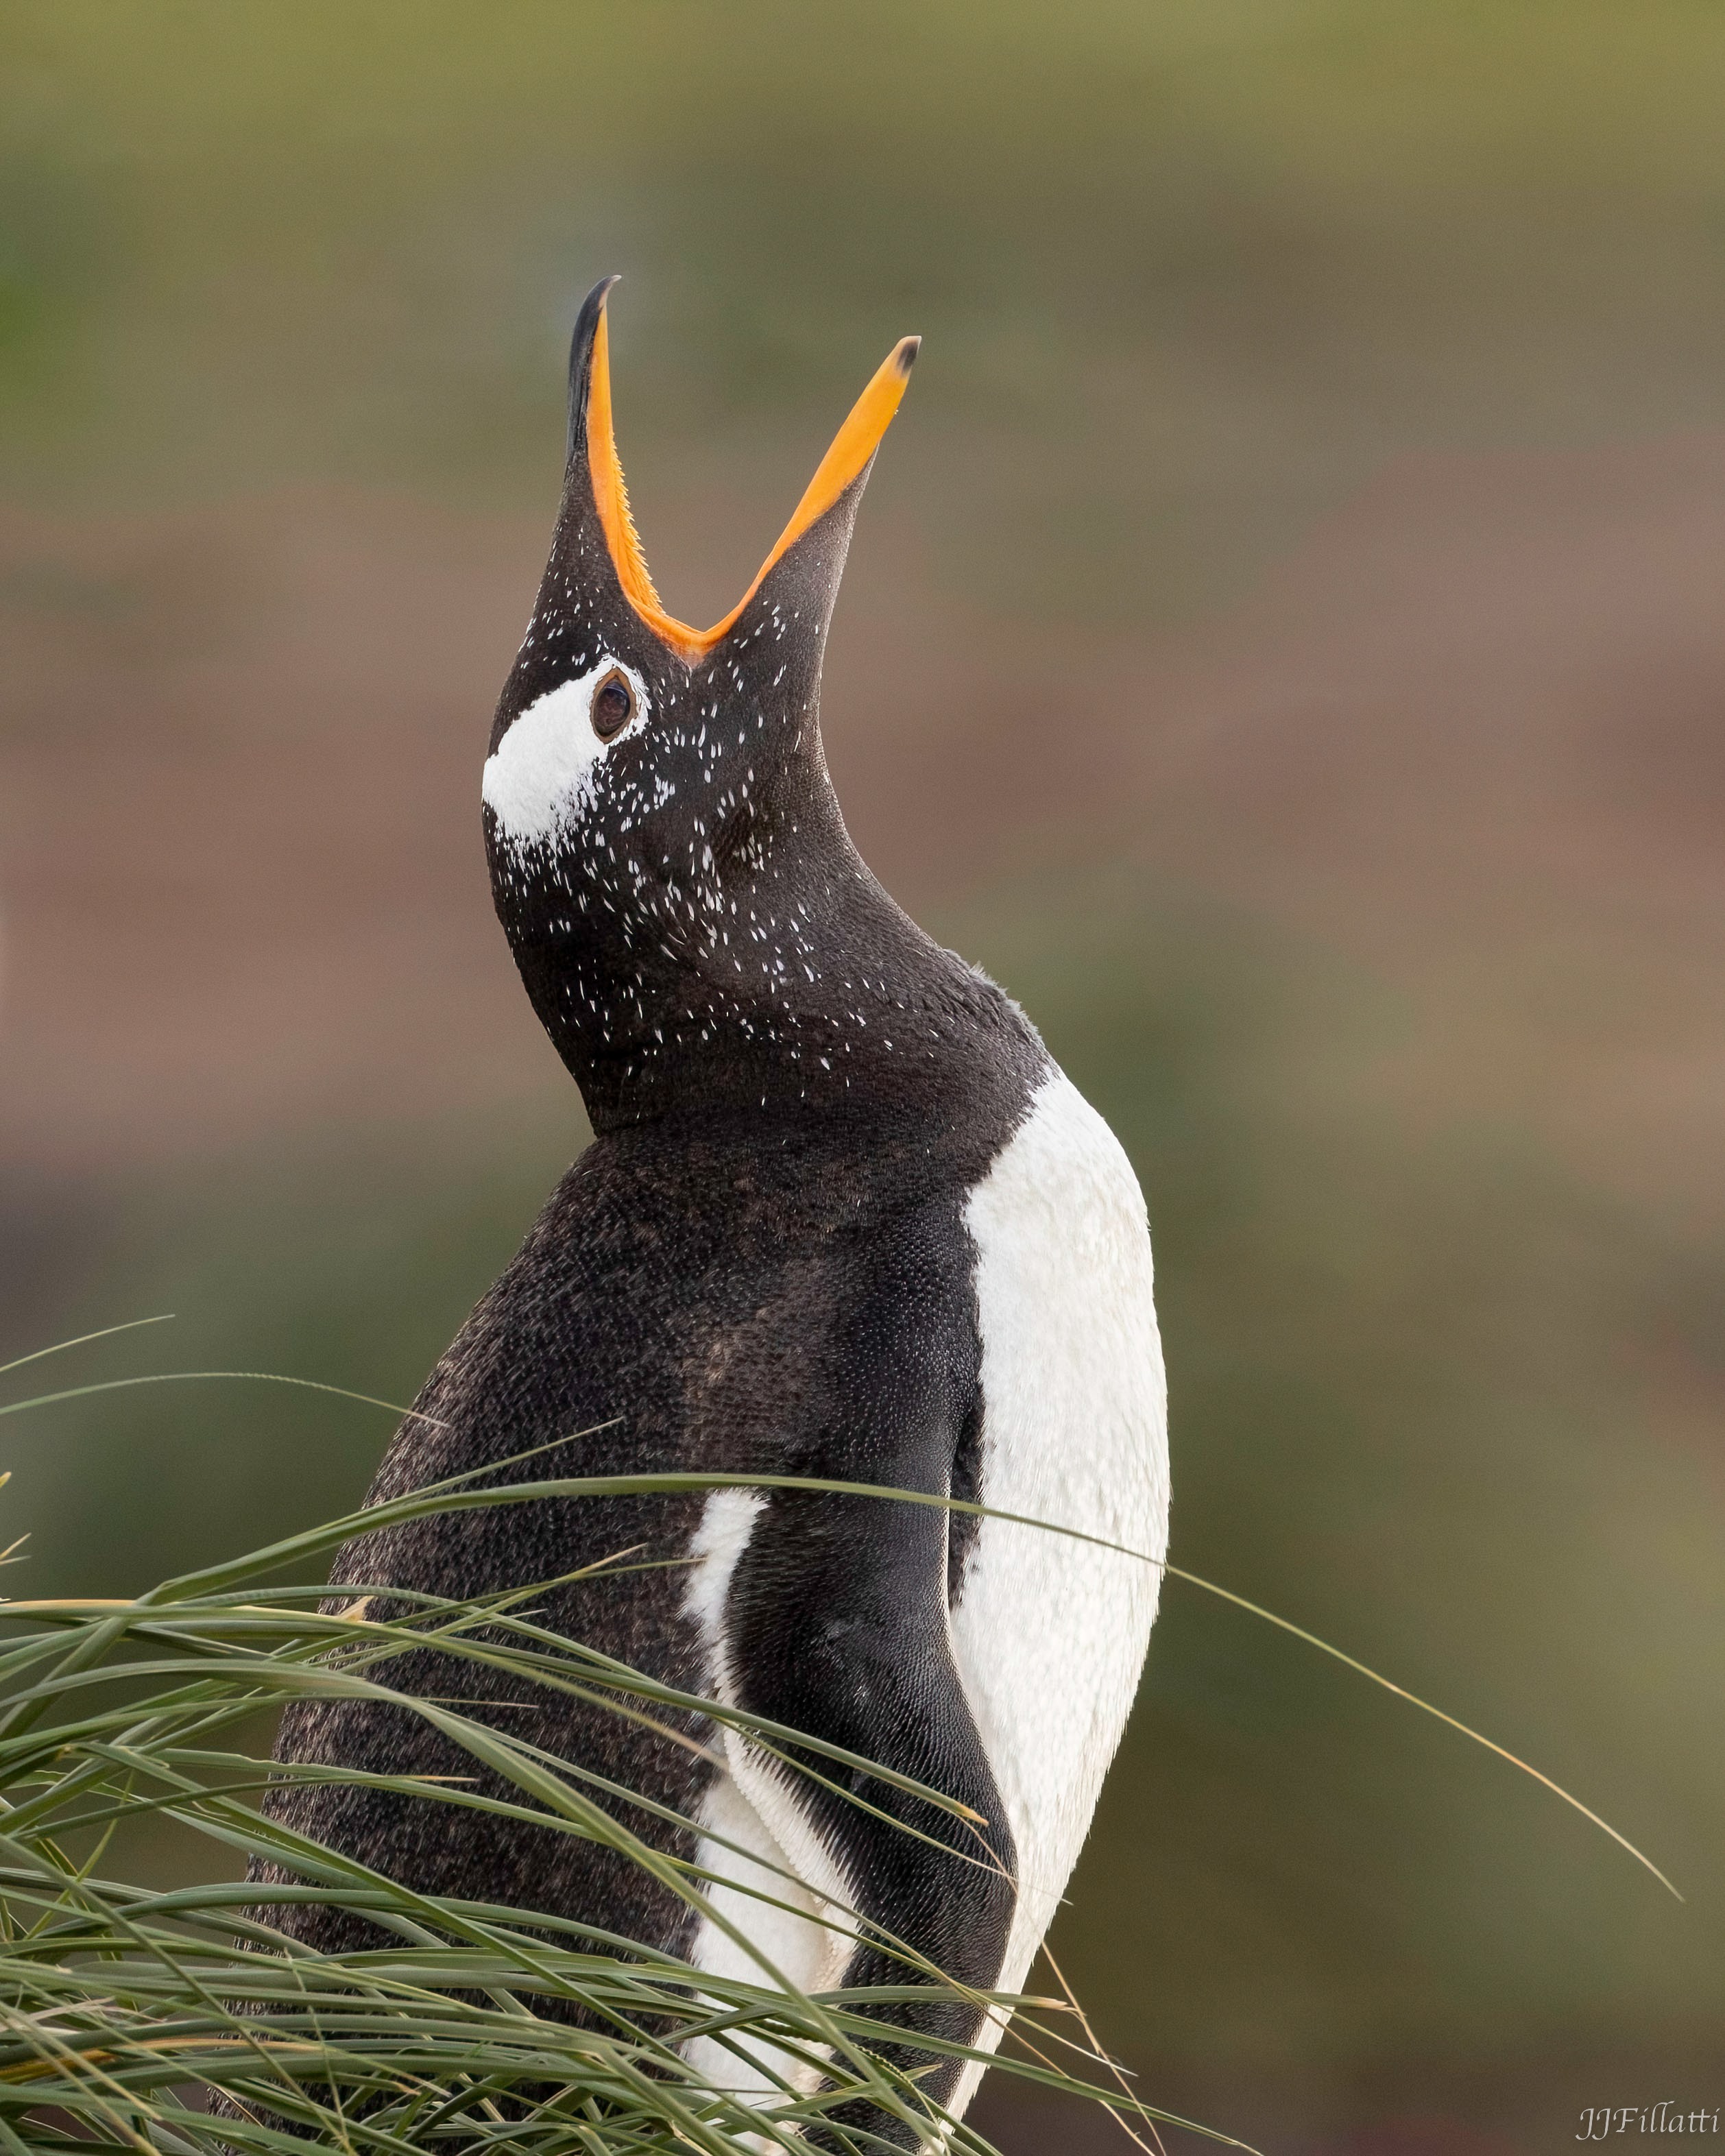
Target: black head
x,y
667,856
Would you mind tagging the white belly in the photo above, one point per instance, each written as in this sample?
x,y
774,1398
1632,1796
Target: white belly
x,y
1050,1633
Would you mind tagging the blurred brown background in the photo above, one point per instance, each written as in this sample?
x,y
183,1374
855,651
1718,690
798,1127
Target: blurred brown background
x,y
1282,643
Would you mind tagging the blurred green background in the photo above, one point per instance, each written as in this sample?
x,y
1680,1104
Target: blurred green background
x,y
1282,643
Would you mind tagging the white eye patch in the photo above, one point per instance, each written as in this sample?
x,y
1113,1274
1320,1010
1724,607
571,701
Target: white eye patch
x,y
546,768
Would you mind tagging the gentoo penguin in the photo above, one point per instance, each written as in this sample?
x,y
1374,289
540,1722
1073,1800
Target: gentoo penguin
x,y
842,1217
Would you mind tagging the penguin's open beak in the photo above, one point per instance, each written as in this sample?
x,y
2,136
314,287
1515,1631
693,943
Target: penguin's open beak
x,y
844,463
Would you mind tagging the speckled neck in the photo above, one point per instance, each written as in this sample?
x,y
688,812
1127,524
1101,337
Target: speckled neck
x,y
794,984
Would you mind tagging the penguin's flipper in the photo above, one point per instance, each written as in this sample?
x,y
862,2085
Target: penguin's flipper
x,y
836,1623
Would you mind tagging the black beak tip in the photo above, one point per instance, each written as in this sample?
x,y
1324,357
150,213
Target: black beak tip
x,y
586,323
586,328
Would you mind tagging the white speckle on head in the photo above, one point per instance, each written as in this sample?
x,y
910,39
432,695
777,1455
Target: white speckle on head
x,y
544,770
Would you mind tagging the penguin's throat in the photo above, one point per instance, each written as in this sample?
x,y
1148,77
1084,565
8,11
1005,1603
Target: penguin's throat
x,y
778,1013
702,1047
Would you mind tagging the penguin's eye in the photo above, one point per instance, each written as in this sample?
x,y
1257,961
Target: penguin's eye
x,y
613,704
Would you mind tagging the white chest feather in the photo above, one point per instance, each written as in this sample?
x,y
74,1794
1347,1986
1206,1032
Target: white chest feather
x,y
1050,1633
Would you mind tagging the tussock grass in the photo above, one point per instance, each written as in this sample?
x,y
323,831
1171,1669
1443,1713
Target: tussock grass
x,y
126,2011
